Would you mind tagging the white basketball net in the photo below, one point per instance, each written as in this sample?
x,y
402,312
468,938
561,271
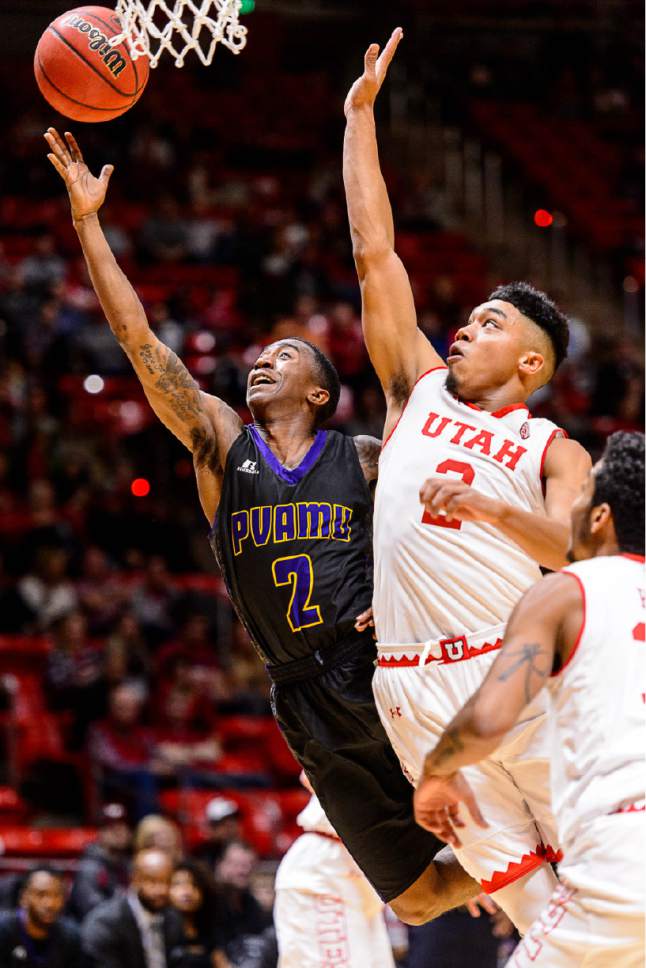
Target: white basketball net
x,y
151,27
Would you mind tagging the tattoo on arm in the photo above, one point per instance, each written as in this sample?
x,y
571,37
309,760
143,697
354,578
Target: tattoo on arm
x,y
448,746
368,451
526,658
182,395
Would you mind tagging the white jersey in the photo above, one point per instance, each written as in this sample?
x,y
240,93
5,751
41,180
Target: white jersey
x,y
599,723
432,578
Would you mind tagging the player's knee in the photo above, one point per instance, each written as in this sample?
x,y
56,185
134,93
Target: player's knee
x,y
415,910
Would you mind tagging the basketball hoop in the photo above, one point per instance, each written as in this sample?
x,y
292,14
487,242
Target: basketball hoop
x,y
151,27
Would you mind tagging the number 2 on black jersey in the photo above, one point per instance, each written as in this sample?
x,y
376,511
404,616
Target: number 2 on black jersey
x,y
297,571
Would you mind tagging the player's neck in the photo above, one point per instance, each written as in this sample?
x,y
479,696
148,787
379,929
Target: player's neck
x,y
495,398
289,437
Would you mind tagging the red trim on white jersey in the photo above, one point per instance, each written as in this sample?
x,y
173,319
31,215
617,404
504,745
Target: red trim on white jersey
x,y
497,413
581,630
432,370
628,554
559,432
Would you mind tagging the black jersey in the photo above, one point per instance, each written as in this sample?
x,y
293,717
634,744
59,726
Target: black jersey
x,y
294,545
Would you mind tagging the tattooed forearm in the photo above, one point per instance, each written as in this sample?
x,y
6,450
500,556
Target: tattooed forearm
x,y
527,660
174,382
450,744
368,451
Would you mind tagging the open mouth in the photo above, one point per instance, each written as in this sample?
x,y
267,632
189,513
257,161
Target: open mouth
x,y
455,352
261,379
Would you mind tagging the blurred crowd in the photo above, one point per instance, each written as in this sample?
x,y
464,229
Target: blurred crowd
x,y
138,900
234,232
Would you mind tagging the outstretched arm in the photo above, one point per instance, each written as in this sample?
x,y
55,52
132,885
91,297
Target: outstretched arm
x,y
398,349
203,423
544,537
544,624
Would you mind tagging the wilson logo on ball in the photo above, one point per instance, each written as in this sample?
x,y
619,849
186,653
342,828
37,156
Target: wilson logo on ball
x,y
100,43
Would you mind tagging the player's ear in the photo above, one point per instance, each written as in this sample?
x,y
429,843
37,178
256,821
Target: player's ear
x,y
600,518
531,363
319,396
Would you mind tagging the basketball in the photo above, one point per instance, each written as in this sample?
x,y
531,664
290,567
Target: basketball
x,y
80,73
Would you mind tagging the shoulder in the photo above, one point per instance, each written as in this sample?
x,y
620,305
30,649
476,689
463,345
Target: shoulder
x,y
565,458
368,450
223,426
8,922
69,931
111,912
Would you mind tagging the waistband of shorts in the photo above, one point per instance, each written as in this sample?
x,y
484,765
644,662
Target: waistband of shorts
x,y
318,662
637,806
457,648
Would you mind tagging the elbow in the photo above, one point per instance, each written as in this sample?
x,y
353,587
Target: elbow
x,y
488,725
371,255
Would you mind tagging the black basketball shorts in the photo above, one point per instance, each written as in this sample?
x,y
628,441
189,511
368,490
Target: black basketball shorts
x,y
331,724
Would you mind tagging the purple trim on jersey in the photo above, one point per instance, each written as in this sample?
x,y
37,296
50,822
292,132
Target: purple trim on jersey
x,y
295,474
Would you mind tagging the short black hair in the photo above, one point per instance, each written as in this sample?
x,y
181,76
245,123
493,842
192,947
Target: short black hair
x,y
619,482
329,378
541,310
39,869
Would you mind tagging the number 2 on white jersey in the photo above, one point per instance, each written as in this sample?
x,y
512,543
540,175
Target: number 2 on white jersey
x,y
467,473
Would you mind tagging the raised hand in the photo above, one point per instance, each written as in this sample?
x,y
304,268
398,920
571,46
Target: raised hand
x,y
365,89
86,192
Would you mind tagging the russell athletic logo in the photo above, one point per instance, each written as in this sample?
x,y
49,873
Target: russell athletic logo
x,y
97,41
249,467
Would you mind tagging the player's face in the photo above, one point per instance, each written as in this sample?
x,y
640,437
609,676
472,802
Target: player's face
x,y
283,371
582,541
487,350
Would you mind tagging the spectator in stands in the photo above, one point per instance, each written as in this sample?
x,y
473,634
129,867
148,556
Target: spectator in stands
x,y
192,895
35,935
185,721
101,594
159,833
104,867
74,675
164,237
126,655
46,591
45,266
222,825
123,750
239,916
153,600
138,930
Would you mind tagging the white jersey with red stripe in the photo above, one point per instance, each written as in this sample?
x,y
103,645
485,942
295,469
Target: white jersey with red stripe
x,y
435,579
598,761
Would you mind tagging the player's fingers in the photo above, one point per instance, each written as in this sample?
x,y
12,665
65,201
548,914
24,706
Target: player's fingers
x,y
106,174
487,904
473,908
75,151
454,814
370,61
388,53
474,809
60,168
58,146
